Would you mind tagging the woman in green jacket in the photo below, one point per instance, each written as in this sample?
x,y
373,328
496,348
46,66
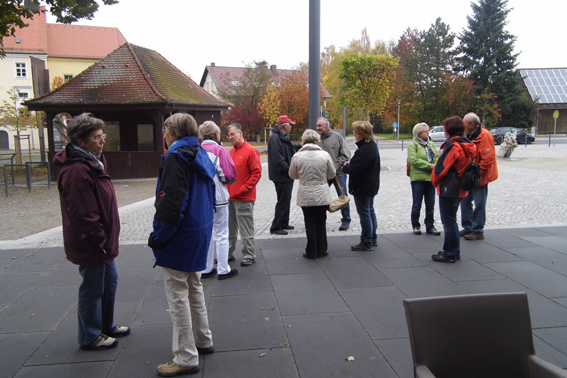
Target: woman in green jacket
x,y
422,155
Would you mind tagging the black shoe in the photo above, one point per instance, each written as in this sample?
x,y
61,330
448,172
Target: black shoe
x,y
288,227
441,254
361,247
232,273
208,350
247,261
344,226
309,257
441,258
416,231
278,232
433,231
231,258
325,254
210,274
375,244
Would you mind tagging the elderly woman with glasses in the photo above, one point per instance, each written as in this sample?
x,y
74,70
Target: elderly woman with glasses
x,y
91,228
182,228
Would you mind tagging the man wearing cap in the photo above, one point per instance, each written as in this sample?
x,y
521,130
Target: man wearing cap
x,y
336,145
280,151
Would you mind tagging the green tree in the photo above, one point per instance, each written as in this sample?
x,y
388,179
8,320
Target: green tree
x,y
367,82
14,12
486,55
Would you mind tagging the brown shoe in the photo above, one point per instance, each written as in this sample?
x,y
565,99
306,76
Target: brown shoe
x,y
474,236
171,369
464,232
433,231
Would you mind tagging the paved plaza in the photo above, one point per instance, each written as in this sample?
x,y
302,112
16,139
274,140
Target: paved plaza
x,y
286,316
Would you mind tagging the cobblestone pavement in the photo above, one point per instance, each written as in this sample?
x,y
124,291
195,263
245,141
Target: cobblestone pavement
x,y
530,191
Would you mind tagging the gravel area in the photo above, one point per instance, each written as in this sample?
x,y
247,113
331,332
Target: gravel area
x,y
25,213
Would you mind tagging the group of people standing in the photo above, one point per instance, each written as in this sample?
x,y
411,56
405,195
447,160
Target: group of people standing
x,y
205,198
467,141
322,160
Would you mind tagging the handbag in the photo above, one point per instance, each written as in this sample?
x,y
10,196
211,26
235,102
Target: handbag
x,y
341,202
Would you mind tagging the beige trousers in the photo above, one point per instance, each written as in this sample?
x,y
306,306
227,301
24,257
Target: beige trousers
x,y
188,312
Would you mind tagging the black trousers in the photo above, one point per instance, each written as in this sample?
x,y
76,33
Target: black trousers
x,y
315,218
281,216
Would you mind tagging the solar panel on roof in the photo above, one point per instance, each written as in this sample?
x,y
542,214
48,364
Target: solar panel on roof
x,y
547,85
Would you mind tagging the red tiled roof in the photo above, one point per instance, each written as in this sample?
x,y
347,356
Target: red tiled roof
x,y
219,73
77,41
64,41
130,75
32,39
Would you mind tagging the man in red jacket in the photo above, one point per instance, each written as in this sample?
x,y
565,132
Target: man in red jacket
x,y
242,194
473,220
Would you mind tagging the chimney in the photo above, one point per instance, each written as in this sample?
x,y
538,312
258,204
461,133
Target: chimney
x,y
212,64
273,68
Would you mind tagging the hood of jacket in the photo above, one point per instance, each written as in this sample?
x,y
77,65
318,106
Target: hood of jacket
x,y
190,152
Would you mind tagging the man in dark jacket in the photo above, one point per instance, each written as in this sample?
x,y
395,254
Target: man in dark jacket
x,y
91,228
280,151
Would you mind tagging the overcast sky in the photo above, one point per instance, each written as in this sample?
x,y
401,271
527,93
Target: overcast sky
x,y
193,33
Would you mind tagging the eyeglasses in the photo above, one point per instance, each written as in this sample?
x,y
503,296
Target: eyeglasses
x,y
356,134
98,137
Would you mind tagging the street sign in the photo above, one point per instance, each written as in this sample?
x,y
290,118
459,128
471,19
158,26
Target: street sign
x,y
556,114
395,125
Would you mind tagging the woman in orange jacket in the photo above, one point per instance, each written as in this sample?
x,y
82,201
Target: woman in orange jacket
x,y
458,152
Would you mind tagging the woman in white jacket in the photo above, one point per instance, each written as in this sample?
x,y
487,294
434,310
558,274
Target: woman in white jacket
x,y
313,167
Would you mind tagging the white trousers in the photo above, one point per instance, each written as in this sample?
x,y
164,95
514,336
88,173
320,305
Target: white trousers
x,y
188,312
220,239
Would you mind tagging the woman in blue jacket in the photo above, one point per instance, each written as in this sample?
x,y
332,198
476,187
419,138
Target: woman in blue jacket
x,y
185,200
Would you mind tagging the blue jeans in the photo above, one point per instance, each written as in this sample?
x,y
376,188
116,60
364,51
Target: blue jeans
x,y
345,212
422,190
448,207
368,223
96,301
474,220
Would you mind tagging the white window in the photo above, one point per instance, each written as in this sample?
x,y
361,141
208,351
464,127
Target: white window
x,y
67,77
23,95
21,70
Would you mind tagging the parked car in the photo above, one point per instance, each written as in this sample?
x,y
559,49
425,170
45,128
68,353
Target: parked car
x,y
437,134
521,135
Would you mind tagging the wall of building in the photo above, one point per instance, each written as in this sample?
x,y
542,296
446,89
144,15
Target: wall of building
x,y
67,66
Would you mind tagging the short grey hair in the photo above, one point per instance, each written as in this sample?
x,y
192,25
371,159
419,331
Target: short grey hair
x,y
473,118
281,125
235,126
82,126
209,130
325,121
418,128
310,136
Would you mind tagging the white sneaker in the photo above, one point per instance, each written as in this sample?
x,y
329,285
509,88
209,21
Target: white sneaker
x,y
101,343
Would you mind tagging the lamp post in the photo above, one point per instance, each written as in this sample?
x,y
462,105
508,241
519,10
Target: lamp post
x,y
398,128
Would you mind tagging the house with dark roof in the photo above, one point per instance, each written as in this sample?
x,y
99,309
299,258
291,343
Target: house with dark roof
x,y
219,79
548,89
133,89
40,52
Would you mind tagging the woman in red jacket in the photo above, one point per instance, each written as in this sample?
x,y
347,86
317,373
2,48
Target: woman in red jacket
x,y
458,152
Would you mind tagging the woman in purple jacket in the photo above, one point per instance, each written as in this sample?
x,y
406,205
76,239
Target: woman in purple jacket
x,y
91,228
